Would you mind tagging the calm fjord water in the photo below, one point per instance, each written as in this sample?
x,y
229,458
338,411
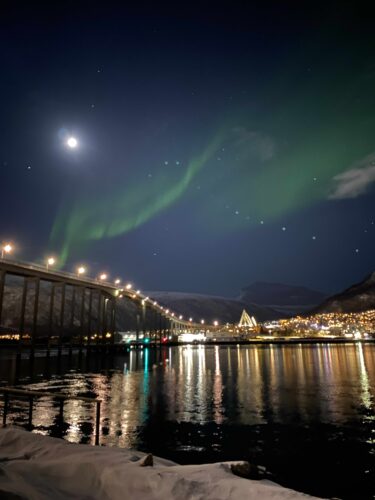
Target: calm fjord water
x,y
306,412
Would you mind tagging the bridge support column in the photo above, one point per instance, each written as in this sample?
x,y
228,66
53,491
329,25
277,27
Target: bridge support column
x,y
72,308
143,320
50,319
105,320
62,312
35,313
82,318
113,320
89,319
160,321
23,307
100,318
2,285
138,320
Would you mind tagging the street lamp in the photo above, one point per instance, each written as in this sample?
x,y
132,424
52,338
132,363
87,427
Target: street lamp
x,y
216,323
190,319
118,281
103,277
6,249
180,316
50,262
81,270
128,286
202,321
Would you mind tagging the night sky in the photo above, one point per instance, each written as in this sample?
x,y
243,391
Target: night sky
x,y
217,145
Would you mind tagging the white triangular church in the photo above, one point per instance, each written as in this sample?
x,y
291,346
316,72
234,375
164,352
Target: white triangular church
x,y
246,321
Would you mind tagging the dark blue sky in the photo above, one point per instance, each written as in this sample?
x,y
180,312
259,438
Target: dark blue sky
x,y
216,145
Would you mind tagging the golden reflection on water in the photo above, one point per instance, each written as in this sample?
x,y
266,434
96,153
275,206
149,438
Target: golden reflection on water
x,y
226,385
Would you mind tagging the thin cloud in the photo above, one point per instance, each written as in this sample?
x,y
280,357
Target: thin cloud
x,y
355,181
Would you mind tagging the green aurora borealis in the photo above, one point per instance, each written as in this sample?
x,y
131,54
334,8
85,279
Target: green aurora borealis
x,y
217,146
285,161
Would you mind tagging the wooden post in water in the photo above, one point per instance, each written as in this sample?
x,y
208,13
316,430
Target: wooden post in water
x,y
6,408
97,423
30,421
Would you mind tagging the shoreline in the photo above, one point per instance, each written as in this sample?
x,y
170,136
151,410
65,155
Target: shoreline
x,y
67,350
157,345
36,466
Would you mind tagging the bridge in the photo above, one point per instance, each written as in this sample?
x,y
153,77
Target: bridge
x,y
96,300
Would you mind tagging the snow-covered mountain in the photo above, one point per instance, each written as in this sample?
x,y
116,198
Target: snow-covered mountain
x,y
287,299
212,307
358,297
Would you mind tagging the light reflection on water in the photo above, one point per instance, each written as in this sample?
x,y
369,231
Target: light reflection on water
x,y
239,390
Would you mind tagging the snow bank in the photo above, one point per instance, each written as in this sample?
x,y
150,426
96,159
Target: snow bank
x,y
38,467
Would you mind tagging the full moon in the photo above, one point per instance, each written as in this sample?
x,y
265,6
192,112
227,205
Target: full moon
x,y
72,142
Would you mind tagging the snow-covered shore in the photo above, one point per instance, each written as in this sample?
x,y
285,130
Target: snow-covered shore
x,y
36,467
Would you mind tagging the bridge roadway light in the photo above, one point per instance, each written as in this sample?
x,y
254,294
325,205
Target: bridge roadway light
x,y
216,323
190,319
7,248
180,316
202,321
118,281
103,277
50,262
81,270
128,286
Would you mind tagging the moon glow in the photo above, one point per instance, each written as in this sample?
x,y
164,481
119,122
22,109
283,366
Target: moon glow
x,y
72,142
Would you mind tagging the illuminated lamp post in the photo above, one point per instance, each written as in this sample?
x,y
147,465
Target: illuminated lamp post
x,y
6,249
